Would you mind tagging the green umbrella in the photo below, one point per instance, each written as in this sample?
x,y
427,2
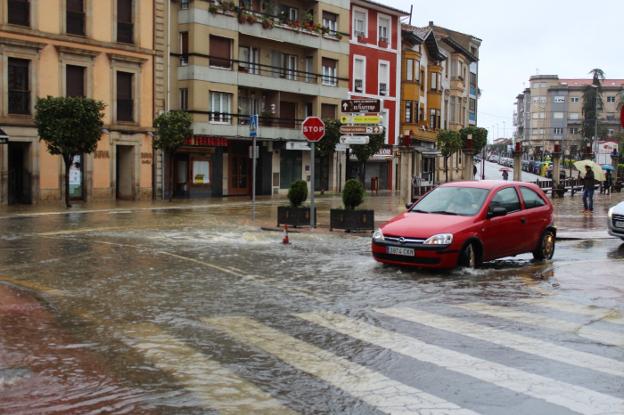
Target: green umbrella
x,y
598,172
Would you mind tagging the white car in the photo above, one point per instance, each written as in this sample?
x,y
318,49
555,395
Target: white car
x,y
615,220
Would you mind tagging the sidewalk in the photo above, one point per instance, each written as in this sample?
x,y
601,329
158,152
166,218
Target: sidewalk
x,y
569,218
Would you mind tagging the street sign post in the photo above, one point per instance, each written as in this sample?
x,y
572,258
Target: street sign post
x,y
354,139
253,132
313,129
360,105
361,129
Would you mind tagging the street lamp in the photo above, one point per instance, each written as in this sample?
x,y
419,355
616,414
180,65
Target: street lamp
x,y
595,140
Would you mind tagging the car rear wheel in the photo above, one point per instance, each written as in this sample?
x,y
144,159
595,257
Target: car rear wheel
x,y
468,257
546,247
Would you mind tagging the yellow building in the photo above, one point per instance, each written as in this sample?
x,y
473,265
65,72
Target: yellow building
x,y
101,49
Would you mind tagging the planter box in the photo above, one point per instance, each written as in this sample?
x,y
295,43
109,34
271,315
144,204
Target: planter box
x,y
299,216
351,220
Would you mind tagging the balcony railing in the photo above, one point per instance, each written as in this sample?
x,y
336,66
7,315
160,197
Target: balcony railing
x,y
19,102
243,119
125,110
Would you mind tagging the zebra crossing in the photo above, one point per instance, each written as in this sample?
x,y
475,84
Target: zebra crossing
x,y
507,387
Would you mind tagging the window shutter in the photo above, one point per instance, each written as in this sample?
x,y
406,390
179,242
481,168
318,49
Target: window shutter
x,y
276,63
328,111
220,51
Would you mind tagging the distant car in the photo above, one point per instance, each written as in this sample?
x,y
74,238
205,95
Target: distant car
x,y
615,220
467,223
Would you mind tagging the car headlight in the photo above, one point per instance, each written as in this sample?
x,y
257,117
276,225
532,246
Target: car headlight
x,y
378,235
610,213
440,239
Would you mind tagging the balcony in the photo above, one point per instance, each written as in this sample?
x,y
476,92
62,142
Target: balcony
x,y
273,128
457,83
261,26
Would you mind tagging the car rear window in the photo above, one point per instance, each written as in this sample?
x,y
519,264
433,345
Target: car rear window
x,y
531,198
464,201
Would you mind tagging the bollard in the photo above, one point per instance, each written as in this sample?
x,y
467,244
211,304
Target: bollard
x,y
285,240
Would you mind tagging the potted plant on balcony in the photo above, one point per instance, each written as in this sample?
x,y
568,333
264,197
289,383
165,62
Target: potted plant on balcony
x,y
295,214
349,218
251,19
213,9
383,42
361,37
242,18
267,23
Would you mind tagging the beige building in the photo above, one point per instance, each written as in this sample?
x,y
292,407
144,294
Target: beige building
x,y
101,49
281,60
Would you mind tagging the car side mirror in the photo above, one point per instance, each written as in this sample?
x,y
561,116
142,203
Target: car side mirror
x,y
408,206
496,211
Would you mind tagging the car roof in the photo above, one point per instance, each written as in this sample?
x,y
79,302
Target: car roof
x,y
486,184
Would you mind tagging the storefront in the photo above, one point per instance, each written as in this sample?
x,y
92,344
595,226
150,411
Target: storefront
x,y
198,167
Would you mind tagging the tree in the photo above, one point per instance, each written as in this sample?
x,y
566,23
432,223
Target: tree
x,y
326,147
449,142
365,151
479,137
70,126
172,128
592,103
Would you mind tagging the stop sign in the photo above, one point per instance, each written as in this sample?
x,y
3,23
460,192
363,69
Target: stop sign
x,y
313,129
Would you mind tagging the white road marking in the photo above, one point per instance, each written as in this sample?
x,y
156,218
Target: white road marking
x,y
573,397
596,335
371,387
213,384
612,315
514,341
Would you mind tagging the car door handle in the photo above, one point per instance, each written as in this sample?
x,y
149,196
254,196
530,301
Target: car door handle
x,y
523,221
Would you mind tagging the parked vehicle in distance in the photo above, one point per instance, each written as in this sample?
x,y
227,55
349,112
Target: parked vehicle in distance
x,y
493,158
467,223
615,220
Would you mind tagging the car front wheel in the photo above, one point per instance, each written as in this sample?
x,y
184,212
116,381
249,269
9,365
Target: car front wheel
x,y
468,257
546,247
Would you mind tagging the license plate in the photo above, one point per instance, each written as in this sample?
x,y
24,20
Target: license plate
x,y
395,250
619,223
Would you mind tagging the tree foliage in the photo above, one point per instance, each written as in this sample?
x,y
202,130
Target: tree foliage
x,y
449,142
172,128
298,193
70,126
479,137
353,194
365,151
327,145
592,104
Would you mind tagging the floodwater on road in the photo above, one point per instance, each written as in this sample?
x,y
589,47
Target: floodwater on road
x,y
199,311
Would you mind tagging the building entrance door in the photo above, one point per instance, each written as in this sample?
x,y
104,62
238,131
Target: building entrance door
x,y
239,169
19,176
76,179
125,172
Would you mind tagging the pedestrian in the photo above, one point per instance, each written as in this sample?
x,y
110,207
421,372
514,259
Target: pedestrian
x,y
588,190
505,175
474,170
608,183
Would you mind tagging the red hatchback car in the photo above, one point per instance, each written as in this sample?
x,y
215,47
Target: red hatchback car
x,y
467,223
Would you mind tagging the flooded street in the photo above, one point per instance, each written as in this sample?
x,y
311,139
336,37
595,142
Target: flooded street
x,y
198,310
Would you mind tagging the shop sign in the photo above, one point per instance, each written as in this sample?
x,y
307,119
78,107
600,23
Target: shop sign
x,y
201,140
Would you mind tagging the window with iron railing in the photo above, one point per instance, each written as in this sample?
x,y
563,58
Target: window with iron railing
x,y
125,101
330,72
75,17
125,21
18,12
19,86
184,48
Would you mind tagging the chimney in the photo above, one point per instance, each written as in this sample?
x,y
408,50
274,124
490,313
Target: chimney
x,y
430,22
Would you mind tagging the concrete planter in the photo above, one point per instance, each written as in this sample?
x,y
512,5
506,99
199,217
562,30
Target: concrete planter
x,y
351,220
294,216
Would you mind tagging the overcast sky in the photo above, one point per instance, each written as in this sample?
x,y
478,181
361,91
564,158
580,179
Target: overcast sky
x,y
525,37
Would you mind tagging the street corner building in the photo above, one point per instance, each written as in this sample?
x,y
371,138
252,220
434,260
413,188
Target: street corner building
x,y
282,61
100,49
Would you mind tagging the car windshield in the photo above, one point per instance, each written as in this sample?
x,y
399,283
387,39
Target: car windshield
x,y
464,201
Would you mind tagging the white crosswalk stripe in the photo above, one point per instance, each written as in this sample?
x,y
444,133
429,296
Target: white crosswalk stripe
x,y
597,335
612,316
371,387
213,384
575,398
514,341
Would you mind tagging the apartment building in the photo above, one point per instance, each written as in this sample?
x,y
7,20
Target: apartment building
x,y
375,72
283,61
98,49
421,107
551,111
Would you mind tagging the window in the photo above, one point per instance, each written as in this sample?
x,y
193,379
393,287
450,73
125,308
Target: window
x,y
417,70
507,198
574,130
330,72
538,115
359,65
125,25
558,131
18,12
184,4
611,98
74,81
435,81
558,115
573,116
574,99
184,48
409,69
384,30
220,52
220,107
408,111
309,69
432,118
558,99
330,21
201,172
184,99
290,66
293,14
125,103
360,23
328,111
384,78
19,86
531,199
539,100
610,132
75,17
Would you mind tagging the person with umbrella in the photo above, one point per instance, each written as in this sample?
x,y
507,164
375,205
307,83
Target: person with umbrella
x,y
588,190
608,182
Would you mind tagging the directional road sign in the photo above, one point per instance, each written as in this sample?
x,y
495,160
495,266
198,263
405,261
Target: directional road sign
x,y
360,105
253,125
361,119
354,139
361,129
297,145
